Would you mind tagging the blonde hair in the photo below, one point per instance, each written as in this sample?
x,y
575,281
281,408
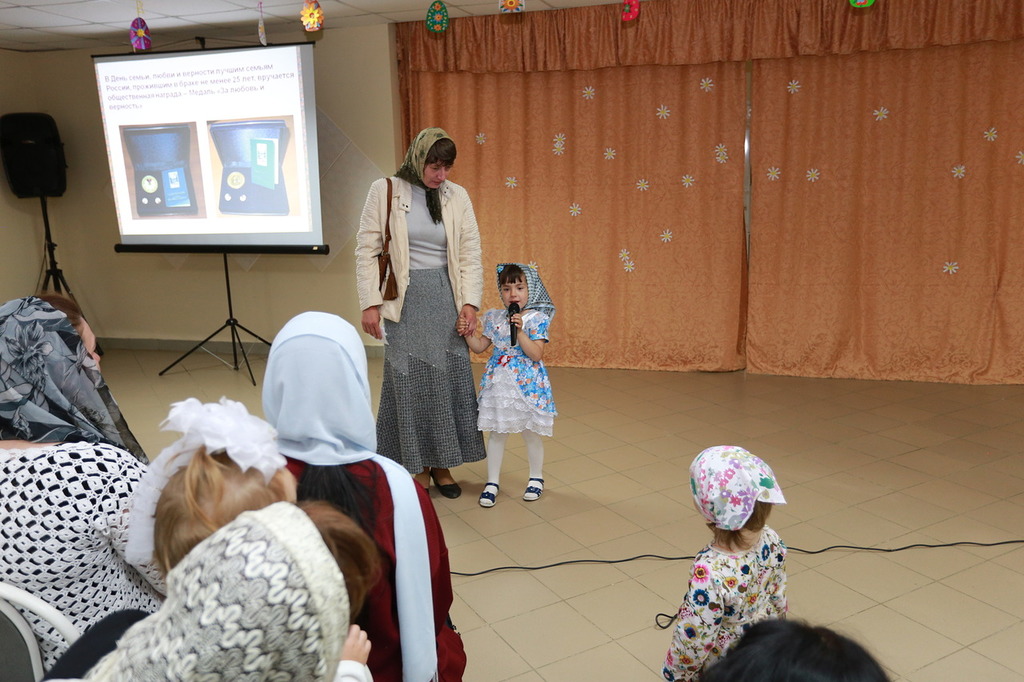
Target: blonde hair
x,y
733,539
207,493
354,551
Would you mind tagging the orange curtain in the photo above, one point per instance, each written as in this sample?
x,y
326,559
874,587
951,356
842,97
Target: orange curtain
x,y
582,173
671,32
882,263
888,199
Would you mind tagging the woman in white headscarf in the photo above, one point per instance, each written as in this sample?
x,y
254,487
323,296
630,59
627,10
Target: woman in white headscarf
x,y
317,395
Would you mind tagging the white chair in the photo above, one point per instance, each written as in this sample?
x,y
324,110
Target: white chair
x,y
19,652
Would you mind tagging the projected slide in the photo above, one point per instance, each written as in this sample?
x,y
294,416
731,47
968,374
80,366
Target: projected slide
x,y
213,147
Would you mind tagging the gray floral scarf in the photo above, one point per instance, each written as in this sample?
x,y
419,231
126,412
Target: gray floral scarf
x,y
51,390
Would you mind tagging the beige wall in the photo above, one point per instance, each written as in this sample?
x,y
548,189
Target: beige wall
x,y
181,297
21,224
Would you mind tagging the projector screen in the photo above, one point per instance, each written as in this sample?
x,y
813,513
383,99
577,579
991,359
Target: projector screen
x,y
213,150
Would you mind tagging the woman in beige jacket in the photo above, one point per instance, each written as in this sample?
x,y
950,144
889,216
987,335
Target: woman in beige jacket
x,y
428,411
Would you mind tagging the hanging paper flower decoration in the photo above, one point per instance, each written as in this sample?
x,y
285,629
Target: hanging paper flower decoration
x,y
862,3
261,29
507,6
437,17
630,10
140,35
312,15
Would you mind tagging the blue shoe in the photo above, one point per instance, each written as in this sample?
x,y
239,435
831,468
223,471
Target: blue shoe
x,y
487,497
534,489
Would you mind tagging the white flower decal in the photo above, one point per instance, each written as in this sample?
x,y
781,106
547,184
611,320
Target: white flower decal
x,y
481,138
950,267
991,134
575,209
532,265
666,236
959,171
663,112
813,175
774,173
643,185
624,255
793,87
511,182
609,153
1020,157
629,266
880,114
688,180
589,92
706,84
559,144
721,153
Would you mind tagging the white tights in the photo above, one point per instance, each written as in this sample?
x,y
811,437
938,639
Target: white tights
x,y
496,452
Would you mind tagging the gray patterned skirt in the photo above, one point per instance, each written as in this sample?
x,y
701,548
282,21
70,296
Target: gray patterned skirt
x,y
428,409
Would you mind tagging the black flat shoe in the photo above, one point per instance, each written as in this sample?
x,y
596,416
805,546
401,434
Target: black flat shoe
x,y
449,490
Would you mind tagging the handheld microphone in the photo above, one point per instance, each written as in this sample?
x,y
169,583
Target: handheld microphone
x,y
513,308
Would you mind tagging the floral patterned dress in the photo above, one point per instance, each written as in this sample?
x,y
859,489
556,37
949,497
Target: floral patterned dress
x,y
515,392
727,594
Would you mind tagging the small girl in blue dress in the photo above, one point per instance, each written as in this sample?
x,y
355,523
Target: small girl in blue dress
x,y
515,393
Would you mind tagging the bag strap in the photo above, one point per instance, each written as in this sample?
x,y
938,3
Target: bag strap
x,y
387,221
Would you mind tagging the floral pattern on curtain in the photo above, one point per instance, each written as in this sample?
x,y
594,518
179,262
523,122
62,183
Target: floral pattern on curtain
x,y
624,188
888,209
868,174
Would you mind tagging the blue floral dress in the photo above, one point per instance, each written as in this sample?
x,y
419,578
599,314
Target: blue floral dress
x,y
515,392
727,594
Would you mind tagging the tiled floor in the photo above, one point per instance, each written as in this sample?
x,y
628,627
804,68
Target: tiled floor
x,y
881,464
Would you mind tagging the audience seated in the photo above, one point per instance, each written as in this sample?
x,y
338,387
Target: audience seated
x,y
259,599
317,395
66,479
225,463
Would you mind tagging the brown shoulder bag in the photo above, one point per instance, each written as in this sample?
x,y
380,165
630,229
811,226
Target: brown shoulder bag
x,y
388,283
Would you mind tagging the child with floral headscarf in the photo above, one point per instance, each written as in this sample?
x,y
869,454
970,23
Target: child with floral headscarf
x,y
740,578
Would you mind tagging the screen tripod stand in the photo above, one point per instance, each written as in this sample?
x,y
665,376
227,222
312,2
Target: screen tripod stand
x,y
236,339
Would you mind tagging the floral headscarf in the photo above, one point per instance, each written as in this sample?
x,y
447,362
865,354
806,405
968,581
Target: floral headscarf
x,y
726,481
415,161
51,390
537,296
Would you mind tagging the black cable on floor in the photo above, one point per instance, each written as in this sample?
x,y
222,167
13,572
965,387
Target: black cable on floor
x,y
691,556
668,619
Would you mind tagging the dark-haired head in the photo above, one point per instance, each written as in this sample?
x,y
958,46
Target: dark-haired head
x,y
352,548
339,486
443,151
511,273
792,651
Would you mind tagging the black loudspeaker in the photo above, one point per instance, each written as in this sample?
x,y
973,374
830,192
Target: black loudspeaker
x,y
33,155
252,155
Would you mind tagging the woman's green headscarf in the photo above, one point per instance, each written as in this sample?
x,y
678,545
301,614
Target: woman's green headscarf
x,y
411,169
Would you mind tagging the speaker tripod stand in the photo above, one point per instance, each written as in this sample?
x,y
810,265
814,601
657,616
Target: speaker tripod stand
x,y
53,273
236,339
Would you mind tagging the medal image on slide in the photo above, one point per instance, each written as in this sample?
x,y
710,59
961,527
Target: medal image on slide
x,y
162,162
257,165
